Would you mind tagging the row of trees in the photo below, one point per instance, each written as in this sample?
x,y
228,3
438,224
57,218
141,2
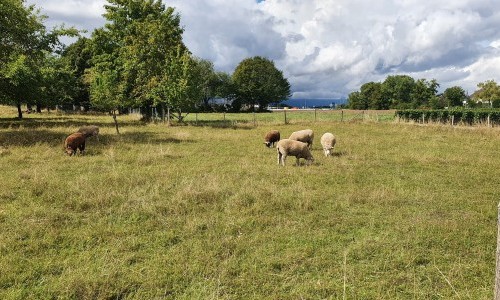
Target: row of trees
x,y
404,92
137,60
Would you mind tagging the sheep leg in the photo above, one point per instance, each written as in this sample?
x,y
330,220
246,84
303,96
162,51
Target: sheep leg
x,y
297,161
279,157
82,148
282,159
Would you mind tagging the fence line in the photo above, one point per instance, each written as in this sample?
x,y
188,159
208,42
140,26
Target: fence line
x,y
291,116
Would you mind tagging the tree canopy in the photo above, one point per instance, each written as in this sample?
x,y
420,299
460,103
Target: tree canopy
x,y
396,91
25,48
258,82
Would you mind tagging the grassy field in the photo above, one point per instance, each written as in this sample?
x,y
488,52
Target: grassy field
x,y
204,212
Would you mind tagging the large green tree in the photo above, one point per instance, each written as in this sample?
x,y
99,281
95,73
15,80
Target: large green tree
x,y
25,44
454,96
259,82
489,91
135,52
397,90
423,92
369,97
75,60
356,101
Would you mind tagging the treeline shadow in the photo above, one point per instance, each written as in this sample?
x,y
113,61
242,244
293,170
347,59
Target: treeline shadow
x,y
233,124
60,121
27,138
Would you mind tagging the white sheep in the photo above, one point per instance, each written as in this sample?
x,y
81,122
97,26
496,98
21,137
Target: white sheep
x,y
287,147
328,142
305,136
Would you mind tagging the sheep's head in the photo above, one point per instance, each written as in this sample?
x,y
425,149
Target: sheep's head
x,y
69,151
268,144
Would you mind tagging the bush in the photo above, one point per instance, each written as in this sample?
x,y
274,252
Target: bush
x,y
466,116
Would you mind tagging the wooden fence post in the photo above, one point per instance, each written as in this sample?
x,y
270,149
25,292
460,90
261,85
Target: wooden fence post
x,y
497,269
285,115
342,116
452,120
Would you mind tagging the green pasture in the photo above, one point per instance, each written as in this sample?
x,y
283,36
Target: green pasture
x,y
203,211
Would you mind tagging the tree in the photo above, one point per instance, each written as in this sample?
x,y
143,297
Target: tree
x,y
104,90
355,101
397,90
437,102
489,91
454,96
371,92
181,85
22,82
259,82
134,52
24,45
422,92
75,60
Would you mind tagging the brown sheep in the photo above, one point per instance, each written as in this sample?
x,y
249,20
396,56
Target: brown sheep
x,y
271,138
73,142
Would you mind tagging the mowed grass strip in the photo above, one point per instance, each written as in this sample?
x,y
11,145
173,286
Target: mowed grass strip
x,y
182,212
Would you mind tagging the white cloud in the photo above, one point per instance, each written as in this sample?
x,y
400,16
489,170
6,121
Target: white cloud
x,y
328,48
81,14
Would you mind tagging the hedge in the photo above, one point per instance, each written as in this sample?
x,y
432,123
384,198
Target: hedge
x,y
455,116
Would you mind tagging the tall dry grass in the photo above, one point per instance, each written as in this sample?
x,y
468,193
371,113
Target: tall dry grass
x,y
182,212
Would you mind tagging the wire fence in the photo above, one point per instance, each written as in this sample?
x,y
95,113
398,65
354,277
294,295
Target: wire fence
x,y
290,116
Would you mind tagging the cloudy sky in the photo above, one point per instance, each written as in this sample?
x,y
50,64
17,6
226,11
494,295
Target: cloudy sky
x,y
329,48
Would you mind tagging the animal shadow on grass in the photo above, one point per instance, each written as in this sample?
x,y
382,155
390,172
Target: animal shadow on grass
x,y
339,153
28,138
234,124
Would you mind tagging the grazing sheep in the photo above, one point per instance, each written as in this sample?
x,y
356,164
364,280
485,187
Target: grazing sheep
x,y
89,130
73,142
305,136
271,138
328,142
287,147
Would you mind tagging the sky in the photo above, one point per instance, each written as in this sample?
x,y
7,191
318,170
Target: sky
x,y
329,48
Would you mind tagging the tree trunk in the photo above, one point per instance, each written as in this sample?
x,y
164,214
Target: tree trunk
x,y
39,108
168,115
116,121
19,111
